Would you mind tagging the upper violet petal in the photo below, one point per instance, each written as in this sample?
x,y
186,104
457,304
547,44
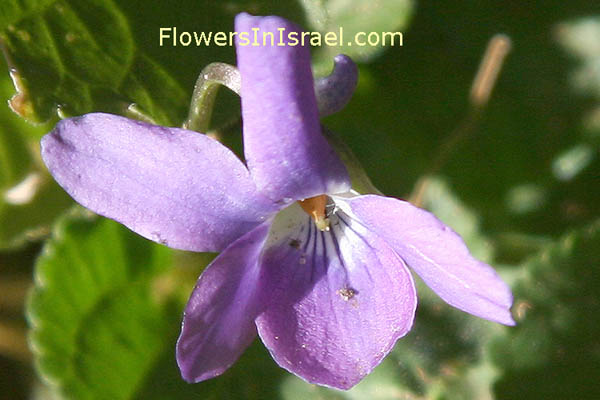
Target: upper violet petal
x,y
218,323
173,186
287,155
340,300
436,253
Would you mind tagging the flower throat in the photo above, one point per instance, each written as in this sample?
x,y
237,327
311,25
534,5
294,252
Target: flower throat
x,y
316,207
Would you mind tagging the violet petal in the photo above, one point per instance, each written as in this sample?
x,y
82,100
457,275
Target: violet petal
x,y
340,300
287,155
218,322
173,186
436,253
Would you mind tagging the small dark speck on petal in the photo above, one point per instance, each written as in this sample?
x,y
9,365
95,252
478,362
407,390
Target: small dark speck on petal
x,y
295,243
347,293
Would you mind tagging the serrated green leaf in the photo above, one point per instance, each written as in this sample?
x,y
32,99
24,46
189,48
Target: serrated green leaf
x,y
553,350
82,57
103,326
96,329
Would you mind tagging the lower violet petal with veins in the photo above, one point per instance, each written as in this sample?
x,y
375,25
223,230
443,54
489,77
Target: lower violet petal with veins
x,y
339,298
318,271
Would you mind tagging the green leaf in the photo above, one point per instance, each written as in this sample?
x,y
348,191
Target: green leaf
x,y
105,314
15,158
96,329
29,214
352,17
553,350
81,57
29,198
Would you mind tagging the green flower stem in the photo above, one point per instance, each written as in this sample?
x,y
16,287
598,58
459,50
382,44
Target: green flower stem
x,y
205,91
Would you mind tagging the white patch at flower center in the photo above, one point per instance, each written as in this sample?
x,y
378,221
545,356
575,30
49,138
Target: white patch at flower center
x,y
327,254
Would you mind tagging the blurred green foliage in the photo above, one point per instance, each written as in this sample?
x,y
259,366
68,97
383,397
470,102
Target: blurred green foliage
x,y
554,351
30,199
522,189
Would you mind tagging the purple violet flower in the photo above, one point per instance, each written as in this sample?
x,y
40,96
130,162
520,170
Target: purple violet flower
x,y
317,270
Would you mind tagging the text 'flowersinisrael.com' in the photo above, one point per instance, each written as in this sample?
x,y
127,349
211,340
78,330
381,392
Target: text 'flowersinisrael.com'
x,y
171,36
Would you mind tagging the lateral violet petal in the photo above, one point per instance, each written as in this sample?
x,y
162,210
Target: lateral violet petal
x,y
173,186
340,301
436,253
218,322
288,157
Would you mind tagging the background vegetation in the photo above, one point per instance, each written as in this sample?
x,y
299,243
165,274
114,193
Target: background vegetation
x,y
89,310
